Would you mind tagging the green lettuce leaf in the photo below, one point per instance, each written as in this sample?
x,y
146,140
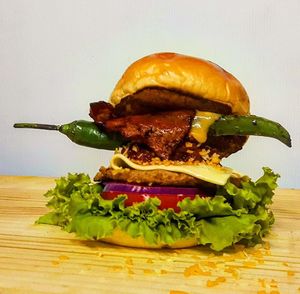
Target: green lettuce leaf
x,y
238,213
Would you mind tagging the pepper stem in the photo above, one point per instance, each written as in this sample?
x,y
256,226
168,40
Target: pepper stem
x,y
37,126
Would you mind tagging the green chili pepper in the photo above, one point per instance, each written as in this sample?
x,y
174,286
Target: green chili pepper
x,y
88,134
81,132
249,125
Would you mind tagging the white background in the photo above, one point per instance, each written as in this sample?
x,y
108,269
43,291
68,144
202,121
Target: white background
x,y
58,56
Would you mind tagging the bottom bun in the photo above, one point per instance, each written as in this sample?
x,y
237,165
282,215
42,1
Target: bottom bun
x,y
119,237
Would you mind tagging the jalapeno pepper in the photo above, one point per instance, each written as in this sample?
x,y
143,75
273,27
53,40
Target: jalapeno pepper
x,y
249,125
81,132
88,134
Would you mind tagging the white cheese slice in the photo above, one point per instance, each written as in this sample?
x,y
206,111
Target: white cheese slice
x,y
212,174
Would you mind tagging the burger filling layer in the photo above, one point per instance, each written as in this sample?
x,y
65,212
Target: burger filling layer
x,y
159,122
235,213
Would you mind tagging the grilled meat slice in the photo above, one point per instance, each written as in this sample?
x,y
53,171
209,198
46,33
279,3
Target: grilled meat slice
x,y
151,100
101,111
162,132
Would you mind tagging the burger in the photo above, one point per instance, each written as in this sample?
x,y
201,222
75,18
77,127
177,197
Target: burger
x,y
177,117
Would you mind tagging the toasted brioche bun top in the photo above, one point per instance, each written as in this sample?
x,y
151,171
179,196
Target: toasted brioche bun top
x,y
190,75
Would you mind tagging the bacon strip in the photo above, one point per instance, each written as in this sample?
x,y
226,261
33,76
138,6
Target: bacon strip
x,y
101,111
161,132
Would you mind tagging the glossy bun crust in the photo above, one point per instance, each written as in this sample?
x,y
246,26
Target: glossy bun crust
x,y
185,74
121,238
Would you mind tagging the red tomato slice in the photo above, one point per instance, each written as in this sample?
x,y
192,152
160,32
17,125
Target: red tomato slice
x,y
167,200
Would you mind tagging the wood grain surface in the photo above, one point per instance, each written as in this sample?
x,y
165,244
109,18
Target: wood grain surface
x,y
45,259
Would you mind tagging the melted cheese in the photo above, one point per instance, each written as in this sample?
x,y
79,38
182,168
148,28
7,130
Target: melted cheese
x,y
212,174
201,123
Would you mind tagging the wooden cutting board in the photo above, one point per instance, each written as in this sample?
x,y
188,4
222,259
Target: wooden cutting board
x,y
45,259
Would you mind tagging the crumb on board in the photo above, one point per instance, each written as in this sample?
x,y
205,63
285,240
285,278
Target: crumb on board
x,y
210,264
234,256
262,283
217,281
130,271
233,271
195,270
249,264
260,261
128,261
267,245
116,268
178,292
268,252
63,257
290,273
269,287
256,253
149,271
55,262
265,292
149,260
60,259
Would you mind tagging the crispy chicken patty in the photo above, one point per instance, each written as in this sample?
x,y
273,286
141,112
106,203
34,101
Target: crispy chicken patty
x,y
151,178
